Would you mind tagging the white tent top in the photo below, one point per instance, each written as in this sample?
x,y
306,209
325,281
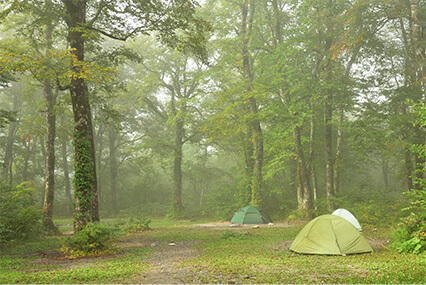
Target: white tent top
x,y
348,216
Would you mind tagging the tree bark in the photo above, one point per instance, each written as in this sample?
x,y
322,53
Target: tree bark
x,y
409,169
177,166
112,137
86,195
328,144
49,192
49,195
303,173
247,13
311,163
66,177
418,54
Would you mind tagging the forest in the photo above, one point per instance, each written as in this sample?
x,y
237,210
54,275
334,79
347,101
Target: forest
x,y
191,110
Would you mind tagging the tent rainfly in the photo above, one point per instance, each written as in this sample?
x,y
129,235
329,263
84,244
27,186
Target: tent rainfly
x,y
348,216
330,235
250,215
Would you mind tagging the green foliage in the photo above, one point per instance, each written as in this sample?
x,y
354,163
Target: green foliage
x,y
6,117
410,236
404,242
381,209
137,225
297,215
411,232
20,218
94,238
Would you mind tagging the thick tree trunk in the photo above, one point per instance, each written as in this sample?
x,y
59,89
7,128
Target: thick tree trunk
x,y
86,195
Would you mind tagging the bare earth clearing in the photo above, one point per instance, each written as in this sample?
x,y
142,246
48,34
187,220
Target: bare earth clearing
x,y
165,262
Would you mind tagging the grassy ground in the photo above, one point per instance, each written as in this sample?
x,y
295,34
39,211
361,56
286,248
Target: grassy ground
x,y
223,255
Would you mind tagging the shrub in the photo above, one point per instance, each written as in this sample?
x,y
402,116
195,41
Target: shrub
x,y
297,215
137,225
410,236
381,209
404,241
95,238
411,232
20,218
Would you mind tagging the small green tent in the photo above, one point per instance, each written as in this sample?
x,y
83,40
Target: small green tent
x,y
251,215
330,234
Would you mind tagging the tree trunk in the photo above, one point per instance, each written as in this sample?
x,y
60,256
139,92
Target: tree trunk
x,y
49,192
311,168
66,176
49,195
100,167
299,189
304,167
112,137
417,43
329,158
303,173
177,167
418,54
338,152
86,195
247,13
385,172
256,188
248,167
409,169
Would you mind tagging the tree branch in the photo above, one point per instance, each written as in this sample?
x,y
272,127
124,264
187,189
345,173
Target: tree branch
x,y
124,38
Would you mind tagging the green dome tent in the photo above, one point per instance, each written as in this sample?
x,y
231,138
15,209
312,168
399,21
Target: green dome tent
x,y
330,234
250,215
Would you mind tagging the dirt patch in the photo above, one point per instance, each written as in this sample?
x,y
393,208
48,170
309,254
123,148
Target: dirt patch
x,y
378,244
228,225
165,263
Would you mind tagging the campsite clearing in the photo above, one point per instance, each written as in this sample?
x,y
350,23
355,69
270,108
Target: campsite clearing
x,y
184,252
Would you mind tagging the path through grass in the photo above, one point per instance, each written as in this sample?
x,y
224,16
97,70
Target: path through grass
x,y
218,254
